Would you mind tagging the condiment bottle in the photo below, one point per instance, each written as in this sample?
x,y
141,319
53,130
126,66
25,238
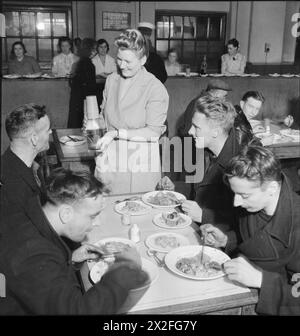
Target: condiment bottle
x,y
126,219
134,233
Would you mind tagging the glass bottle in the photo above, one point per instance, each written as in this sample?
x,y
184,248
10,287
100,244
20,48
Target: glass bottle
x,y
134,233
203,67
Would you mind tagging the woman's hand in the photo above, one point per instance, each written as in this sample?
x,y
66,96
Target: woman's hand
x,y
103,143
192,209
213,236
243,271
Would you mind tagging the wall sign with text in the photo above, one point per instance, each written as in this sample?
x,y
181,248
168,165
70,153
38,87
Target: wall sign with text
x,y
115,20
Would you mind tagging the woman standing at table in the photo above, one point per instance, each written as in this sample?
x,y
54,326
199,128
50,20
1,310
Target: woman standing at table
x,y
21,64
171,64
104,65
233,63
62,63
135,105
82,82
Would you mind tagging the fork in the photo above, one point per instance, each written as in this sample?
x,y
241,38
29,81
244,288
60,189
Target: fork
x,y
73,139
133,198
153,254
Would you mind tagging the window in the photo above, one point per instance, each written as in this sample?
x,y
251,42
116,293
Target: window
x,y
193,35
38,28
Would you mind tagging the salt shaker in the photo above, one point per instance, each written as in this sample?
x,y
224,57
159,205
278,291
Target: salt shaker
x,y
134,233
126,219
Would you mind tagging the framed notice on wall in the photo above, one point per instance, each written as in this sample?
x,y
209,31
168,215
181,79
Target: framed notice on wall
x,y
115,20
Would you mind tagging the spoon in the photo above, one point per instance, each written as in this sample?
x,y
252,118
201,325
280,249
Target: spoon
x,y
153,254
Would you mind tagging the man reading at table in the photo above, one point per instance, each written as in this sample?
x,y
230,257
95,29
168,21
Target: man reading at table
x,y
268,232
39,268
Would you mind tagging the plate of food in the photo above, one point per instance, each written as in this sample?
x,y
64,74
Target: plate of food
x,y
163,199
288,75
134,208
12,76
292,133
274,74
278,139
188,262
216,75
203,75
101,267
72,140
115,244
165,241
172,220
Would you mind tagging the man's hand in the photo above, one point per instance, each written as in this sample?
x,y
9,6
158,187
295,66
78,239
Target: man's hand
x,y
130,254
243,271
83,253
103,143
192,209
213,236
165,184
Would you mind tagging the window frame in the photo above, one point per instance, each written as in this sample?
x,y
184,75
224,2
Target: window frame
x,y
66,9
196,39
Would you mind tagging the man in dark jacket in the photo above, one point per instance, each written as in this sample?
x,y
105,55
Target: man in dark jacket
x,y
154,63
268,233
39,268
212,128
28,128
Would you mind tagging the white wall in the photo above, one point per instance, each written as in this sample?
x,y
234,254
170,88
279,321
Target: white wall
x,y
268,20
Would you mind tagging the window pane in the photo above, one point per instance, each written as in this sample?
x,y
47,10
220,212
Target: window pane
x,y
44,50
189,27
188,52
59,24
55,46
202,27
30,47
10,42
43,24
162,48
3,51
12,24
214,28
162,26
27,24
201,48
175,26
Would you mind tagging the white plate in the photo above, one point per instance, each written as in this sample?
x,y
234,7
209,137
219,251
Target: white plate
x,y
12,76
192,74
190,251
216,75
65,140
146,199
254,122
115,239
175,240
288,75
159,221
254,75
203,75
149,267
292,133
274,74
144,209
243,75
278,139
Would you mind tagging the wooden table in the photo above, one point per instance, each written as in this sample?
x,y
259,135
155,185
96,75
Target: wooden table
x,y
171,294
75,158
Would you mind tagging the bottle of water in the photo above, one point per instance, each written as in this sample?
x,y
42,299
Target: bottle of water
x,y
203,67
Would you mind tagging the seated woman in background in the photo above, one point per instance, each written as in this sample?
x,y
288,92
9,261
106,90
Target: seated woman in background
x,y
62,63
233,63
171,64
21,64
135,105
82,82
104,63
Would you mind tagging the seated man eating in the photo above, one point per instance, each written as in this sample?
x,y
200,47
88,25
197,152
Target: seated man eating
x,y
39,268
268,232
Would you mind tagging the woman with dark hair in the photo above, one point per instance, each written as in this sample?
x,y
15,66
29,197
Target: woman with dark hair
x,y
135,105
104,63
62,63
171,64
21,64
233,63
82,82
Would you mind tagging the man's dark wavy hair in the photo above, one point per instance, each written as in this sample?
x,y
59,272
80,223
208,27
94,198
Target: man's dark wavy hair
x,y
254,163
